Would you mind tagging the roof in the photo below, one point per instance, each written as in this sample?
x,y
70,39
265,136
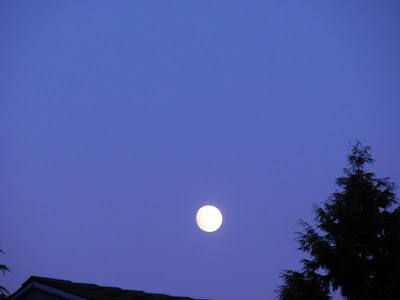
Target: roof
x,y
73,290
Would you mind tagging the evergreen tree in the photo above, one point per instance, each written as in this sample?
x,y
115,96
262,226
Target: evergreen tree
x,y
303,286
3,290
356,240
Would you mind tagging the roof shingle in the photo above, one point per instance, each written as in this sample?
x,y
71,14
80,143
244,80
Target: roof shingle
x,y
95,292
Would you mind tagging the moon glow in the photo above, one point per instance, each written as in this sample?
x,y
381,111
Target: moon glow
x,y
209,218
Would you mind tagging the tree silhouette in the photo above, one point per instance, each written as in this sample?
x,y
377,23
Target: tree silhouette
x,y
355,244
303,286
3,290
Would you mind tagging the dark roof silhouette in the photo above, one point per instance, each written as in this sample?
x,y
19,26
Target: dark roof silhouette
x,y
85,291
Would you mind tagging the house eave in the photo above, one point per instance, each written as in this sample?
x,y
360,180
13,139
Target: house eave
x,y
44,288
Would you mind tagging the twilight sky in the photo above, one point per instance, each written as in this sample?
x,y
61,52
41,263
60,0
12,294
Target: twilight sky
x,y
119,120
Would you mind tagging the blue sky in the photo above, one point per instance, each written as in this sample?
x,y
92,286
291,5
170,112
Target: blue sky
x,y
119,120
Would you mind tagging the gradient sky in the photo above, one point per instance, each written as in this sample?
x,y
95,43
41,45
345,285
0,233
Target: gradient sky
x,y
120,119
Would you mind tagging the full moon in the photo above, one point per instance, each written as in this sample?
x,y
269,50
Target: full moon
x,y
209,218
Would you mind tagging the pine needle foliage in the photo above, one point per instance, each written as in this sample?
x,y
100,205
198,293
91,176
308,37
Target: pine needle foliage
x,y
356,239
3,290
